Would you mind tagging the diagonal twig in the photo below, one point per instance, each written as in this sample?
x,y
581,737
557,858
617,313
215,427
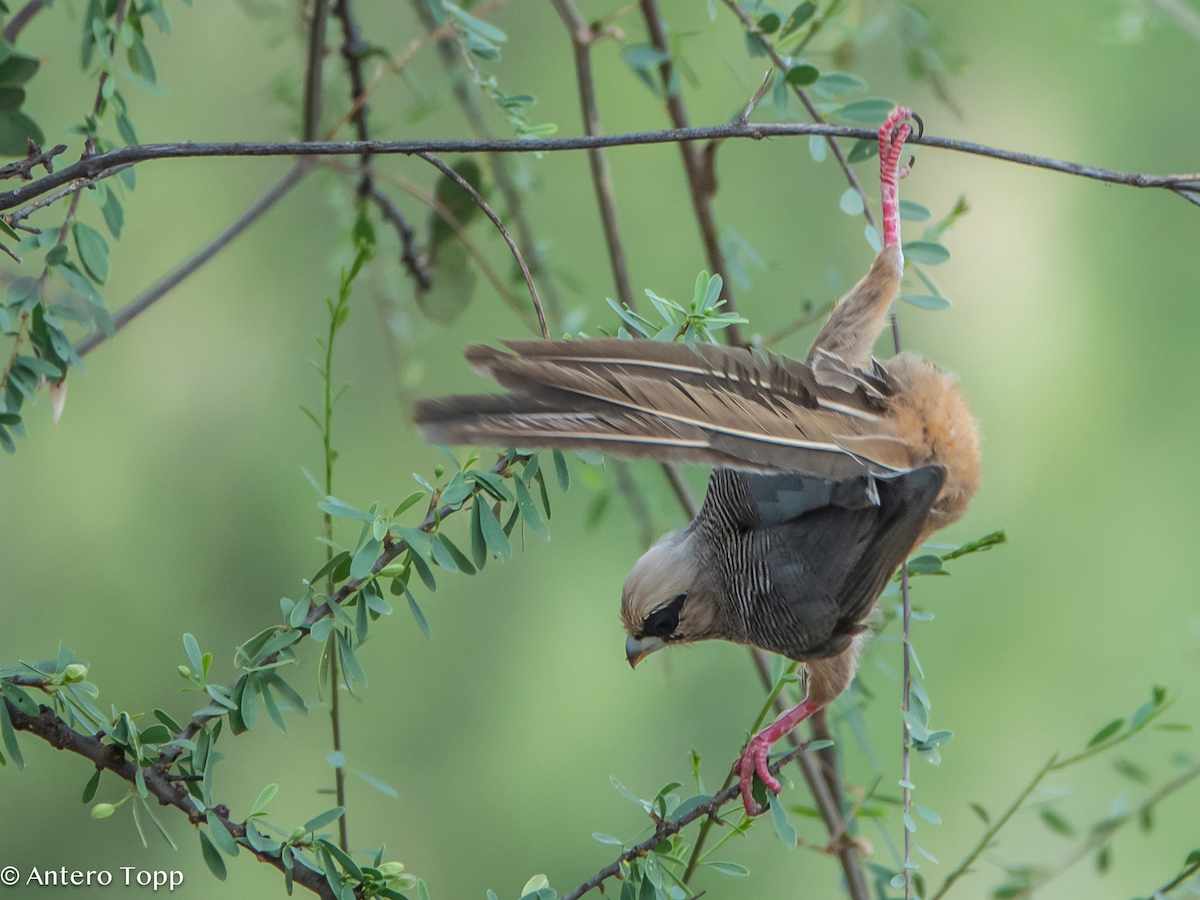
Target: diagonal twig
x,y
491,214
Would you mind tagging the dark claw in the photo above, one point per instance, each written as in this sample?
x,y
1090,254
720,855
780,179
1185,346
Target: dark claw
x,y
920,126
911,160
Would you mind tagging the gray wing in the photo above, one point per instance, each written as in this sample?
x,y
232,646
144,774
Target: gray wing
x,y
805,560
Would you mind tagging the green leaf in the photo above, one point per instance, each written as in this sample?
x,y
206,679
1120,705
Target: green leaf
x,y
799,16
18,698
114,214
911,211
423,570
643,56
442,555
478,543
927,814
851,202
925,565
871,111
89,790
728,868
802,75
981,812
607,839
212,858
221,836
1056,823
318,822
862,149
408,502
350,662
817,147
1106,732
264,797
529,511
464,564
193,654
783,827
483,29
93,250
381,786
926,301
561,471
926,252
493,534
418,615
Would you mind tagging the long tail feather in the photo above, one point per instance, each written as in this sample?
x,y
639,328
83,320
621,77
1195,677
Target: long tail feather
x,y
717,405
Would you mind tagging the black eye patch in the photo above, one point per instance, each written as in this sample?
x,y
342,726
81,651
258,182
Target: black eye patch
x,y
663,621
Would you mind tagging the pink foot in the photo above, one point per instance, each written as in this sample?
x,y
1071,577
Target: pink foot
x,y
754,757
892,135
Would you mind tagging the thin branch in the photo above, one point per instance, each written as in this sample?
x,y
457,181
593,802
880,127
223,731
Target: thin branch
x,y
54,731
804,321
25,212
491,214
93,165
352,50
180,273
22,18
313,68
447,44
664,828
698,166
23,168
1104,830
461,233
582,38
408,242
984,842
816,116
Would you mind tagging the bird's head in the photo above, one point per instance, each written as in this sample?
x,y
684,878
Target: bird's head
x,y
663,601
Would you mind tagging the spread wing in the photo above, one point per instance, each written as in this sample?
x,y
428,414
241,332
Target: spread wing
x,y
725,406
804,561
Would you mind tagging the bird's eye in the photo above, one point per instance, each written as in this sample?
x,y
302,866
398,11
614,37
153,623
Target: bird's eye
x,y
663,621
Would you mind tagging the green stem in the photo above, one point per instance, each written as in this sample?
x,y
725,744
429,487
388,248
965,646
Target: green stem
x,y
965,865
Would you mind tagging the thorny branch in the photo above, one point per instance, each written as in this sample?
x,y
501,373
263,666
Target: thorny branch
x,y
94,165
664,828
166,789
23,168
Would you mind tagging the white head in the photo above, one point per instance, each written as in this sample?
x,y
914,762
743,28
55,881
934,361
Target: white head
x,y
662,602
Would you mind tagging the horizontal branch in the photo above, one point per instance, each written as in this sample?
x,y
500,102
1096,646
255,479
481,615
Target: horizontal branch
x,y
91,166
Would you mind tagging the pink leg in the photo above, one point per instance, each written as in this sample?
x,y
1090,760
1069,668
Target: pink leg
x,y
754,757
892,135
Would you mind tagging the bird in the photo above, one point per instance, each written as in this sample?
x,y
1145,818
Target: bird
x,y
828,473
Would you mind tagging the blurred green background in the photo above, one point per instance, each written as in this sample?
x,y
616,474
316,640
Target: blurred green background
x,y
170,496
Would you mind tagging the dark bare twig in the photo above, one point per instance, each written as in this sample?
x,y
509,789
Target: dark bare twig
x,y
664,828
491,214
312,71
582,38
409,257
701,177
173,279
352,49
93,165
803,322
23,17
628,488
15,218
23,168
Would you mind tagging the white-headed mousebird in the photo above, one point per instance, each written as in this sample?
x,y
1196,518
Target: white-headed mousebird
x,y
829,473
